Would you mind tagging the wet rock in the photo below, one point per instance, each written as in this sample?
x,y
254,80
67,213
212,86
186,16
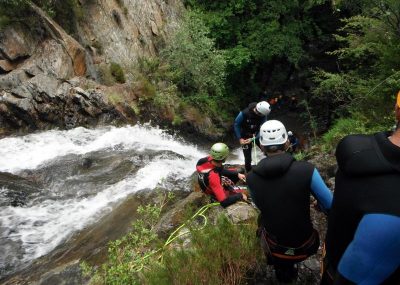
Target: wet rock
x,y
64,275
15,190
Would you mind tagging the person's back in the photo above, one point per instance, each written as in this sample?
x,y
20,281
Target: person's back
x,y
280,187
363,237
367,182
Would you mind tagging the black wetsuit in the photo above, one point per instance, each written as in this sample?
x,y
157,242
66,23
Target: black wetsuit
x,y
247,125
280,187
363,239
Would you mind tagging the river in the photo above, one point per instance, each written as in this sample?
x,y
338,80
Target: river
x,y
57,183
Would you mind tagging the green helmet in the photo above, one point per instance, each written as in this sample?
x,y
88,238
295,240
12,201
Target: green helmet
x,y
219,151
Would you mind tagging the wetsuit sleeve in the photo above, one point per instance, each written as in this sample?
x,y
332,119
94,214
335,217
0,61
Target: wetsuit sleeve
x,y
320,191
238,124
229,173
374,253
231,199
216,187
219,193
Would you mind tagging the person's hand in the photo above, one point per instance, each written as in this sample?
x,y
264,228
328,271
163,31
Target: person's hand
x,y
244,141
242,177
244,197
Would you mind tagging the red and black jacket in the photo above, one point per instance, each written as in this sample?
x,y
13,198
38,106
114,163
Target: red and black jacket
x,y
209,178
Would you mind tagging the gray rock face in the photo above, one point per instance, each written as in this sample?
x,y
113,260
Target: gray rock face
x,y
130,29
14,43
44,101
36,68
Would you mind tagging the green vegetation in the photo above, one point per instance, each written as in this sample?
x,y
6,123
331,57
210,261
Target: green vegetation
x,y
117,72
267,43
221,253
190,72
359,96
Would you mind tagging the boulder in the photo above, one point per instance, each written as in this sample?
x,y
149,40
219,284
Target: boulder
x,y
16,44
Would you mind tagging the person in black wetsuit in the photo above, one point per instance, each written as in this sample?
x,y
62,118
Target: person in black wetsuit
x,y
247,125
280,187
363,236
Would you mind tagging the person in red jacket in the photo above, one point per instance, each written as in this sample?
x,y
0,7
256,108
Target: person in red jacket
x,y
216,181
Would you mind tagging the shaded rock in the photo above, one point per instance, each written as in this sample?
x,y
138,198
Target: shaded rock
x,y
6,66
176,216
15,43
43,101
326,164
66,274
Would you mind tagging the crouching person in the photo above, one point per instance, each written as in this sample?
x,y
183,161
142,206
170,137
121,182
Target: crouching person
x,y
216,181
280,187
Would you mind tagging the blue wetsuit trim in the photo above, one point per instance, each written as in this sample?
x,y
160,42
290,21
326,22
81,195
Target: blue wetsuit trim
x,y
238,124
320,191
374,253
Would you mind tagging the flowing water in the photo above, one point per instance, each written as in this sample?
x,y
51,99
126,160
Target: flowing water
x,y
56,183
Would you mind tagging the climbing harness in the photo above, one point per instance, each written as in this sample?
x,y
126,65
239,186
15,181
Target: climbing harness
x,y
274,250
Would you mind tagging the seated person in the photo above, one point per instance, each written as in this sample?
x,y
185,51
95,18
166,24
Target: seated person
x,y
216,181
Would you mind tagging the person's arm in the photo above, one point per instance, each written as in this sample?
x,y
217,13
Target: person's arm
x,y
228,172
219,192
320,191
231,199
374,253
238,124
214,182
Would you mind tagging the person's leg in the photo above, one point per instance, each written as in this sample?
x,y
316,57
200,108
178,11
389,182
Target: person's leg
x,y
247,156
286,272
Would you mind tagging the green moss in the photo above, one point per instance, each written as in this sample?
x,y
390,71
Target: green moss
x,y
177,121
117,72
105,75
115,98
135,108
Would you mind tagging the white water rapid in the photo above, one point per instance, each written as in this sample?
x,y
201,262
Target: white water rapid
x,y
51,217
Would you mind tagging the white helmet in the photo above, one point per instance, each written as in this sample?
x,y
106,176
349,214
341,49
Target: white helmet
x,y
273,132
263,108
290,133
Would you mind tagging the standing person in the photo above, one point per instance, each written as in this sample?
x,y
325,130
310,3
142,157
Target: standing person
x,y
216,181
293,103
247,125
363,237
294,142
280,187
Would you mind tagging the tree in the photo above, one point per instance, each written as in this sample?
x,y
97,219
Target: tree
x,y
266,42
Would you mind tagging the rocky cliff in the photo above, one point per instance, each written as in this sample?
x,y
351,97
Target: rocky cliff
x,y
49,78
